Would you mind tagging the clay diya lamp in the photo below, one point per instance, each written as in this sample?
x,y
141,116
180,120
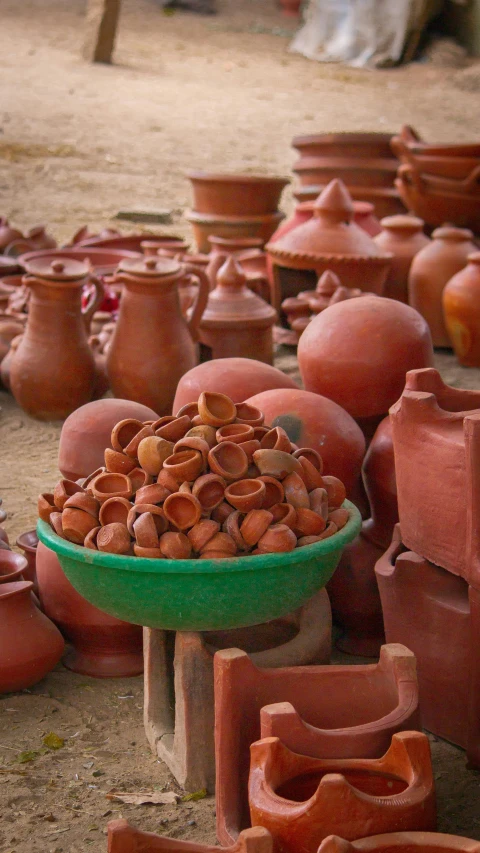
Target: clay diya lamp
x,y
201,533
249,448
216,409
168,482
274,492
236,432
172,428
182,510
278,538
221,542
295,491
84,501
228,460
335,491
310,475
145,531
114,538
154,493
276,463
232,526
184,465
247,414
13,567
221,512
205,433
87,481
28,542
118,463
124,432
76,523
90,540
312,455
63,490
45,506
276,439
245,495
139,478
194,442
189,409
149,553
284,513
309,523
209,489
152,452
114,510
254,525
330,529
161,523
111,486
175,546
56,523
339,517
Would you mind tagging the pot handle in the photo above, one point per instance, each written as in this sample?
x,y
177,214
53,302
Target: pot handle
x,y
411,177
94,300
194,314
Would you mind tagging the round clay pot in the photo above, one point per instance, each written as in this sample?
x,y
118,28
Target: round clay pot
x,y
239,378
86,433
228,460
403,237
102,646
311,420
358,351
236,195
461,308
216,409
30,645
13,567
28,542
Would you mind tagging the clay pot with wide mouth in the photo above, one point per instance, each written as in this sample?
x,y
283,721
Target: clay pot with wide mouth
x,y
236,195
245,495
228,460
369,172
183,510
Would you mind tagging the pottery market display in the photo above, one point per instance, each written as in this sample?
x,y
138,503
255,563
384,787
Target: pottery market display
x,y
430,271
461,309
30,645
401,842
153,346
320,711
124,838
239,378
236,322
439,200
52,371
301,800
330,240
402,236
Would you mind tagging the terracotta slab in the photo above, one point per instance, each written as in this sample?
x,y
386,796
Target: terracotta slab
x,y
123,838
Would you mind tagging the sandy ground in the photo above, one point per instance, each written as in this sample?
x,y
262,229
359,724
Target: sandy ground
x,y
77,143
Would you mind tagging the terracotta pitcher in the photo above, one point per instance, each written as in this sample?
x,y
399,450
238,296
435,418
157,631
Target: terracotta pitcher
x,y
153,345
52,372
461,309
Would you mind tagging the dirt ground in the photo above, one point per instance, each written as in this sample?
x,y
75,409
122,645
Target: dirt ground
x,y
78,143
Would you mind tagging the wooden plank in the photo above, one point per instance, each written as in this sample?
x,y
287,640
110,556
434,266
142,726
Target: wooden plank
x,y
100,29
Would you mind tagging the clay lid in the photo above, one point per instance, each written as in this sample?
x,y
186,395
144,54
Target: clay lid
x,y
59,269
402,222
153,266
449,232
331,232
233,304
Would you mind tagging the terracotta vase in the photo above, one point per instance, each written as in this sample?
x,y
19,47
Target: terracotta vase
x,y
86,433
431,269
330,240
30,645
101,646
123,838
441,524
236,322
401,842
461,310
239,378
301,800
52,371
321,711
28,542
358,351
403,237
153,346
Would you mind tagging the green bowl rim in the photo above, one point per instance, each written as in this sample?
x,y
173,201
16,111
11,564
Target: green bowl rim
x,y
232,564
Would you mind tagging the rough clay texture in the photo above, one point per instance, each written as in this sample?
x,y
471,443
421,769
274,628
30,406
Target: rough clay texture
x,y
78,143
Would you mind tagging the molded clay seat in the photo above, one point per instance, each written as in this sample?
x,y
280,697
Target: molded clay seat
x,y
401,842
301,800
338,711
123,838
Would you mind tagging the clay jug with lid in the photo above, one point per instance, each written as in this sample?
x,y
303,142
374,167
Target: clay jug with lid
x,y
52,371
153,345
461,308
432,267
403,236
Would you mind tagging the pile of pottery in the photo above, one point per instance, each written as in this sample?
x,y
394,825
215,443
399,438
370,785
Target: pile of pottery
x,y
363,161
213,481
13,242
234,206
300,310
440,183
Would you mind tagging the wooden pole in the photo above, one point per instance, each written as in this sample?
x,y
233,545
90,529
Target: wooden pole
x,y
100,29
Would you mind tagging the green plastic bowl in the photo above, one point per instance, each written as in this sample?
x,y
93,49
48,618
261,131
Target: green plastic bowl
x,y
201,595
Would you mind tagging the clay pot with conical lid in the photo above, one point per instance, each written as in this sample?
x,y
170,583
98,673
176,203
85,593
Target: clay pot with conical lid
x,y
329,240
431,269
153,345
461,308
237,322
402,236
52,371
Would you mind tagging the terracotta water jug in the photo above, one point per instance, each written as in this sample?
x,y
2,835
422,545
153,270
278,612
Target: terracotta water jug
x,y
434,265
402,236
153,345
53,370
461,309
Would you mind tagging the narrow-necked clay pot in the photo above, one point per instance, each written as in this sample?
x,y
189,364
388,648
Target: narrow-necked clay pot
x,y
461,312
403,237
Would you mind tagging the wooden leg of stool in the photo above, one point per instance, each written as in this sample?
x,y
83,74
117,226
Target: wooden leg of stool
x,y
100,29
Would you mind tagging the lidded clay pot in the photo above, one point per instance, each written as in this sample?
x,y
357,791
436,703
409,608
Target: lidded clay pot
x,y
153,345
52,371
403,236
237,322
329,240
461,308
442,258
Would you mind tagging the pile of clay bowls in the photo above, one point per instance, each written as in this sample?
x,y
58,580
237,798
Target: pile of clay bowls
x,y
440,183
234,206
363,161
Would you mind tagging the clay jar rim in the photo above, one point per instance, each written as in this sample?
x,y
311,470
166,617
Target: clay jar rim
x,y
228,460
238,433
245,495
182,521
16,563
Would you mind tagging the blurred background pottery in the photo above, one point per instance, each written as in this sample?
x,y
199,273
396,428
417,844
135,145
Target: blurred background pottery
x,y
461,310
403,237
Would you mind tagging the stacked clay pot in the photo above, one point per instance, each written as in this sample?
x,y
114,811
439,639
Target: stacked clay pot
x,y
212,482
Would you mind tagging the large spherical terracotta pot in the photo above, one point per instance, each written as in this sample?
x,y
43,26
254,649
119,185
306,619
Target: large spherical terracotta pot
x,y
313,421
358,352
86,433
239,378
102,646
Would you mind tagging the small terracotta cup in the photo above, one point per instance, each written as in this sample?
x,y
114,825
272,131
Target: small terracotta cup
x,y
260,431
313,457
145,531
311,476
118,463
152,453
232,526
182,510
250,447
82,500
276,439
254,525
319,502
247,414
156,512
63,490
87,482
295,491
139,478
184,465
76,524
238,433
155,493
216,409
132,447
185,487
229,460
201,533
209,489
221,512
335,490
308,523
204,432
339,517
274,492
149,553
284,514
114,510
193,442
245,495
276,463
107,486
175,546
277,539
172,429
168,482
56,523
46,505
330,529
91,539
124,432
221,542
114,539
189,409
